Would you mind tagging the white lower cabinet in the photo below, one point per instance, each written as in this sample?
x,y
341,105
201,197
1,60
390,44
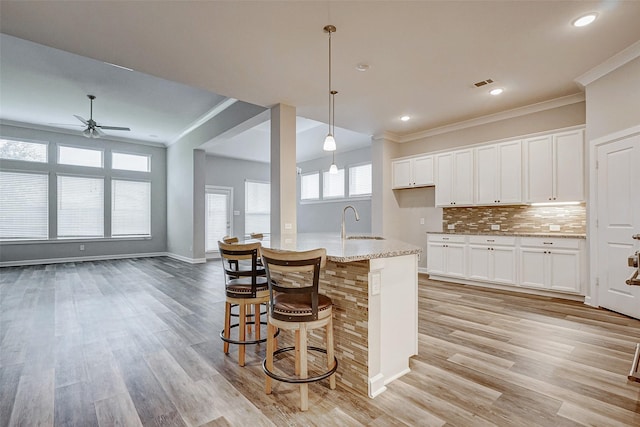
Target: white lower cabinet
x,y
446,255
550,264
492,259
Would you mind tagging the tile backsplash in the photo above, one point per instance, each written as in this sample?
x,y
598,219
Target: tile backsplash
x,y
571,219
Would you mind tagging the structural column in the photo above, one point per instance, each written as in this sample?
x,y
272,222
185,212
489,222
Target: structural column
x,y
283,173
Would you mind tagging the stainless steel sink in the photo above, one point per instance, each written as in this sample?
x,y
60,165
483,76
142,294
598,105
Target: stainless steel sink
x,y
365,238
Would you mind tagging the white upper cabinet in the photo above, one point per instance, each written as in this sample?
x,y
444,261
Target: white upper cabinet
x,y
454,178
554,167
411,173
499,173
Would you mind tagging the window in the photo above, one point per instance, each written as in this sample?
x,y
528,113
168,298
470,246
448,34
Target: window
x,y
24,206
333,185
257,216
218,216
130,162
79,156
310,186
130,208
80,206
22,150
360,180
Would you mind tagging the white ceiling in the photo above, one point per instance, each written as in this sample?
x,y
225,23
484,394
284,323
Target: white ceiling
x,y
424,58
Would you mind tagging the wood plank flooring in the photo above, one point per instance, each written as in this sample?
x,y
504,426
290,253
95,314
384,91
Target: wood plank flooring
x,y
135,342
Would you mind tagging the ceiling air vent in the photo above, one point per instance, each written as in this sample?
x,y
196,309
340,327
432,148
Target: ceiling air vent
x,y
483,82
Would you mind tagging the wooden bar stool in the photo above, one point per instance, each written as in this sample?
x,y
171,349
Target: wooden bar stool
x,y
297,307
246,287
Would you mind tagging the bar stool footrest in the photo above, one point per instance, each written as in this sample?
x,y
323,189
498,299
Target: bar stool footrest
x,y
295,380
232,341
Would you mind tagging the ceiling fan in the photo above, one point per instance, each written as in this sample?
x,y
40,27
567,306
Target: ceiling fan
x,y
94,130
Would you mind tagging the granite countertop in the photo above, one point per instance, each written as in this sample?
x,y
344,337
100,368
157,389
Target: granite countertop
x,y
347,250
512,233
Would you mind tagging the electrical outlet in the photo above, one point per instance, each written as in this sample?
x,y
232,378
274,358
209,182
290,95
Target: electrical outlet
x,y
495,227
287,226
421,221
554,227
82,247
451,227
236,213
375,283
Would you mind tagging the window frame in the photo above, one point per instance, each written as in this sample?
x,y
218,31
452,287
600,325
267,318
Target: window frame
x,y
319,197
359,196
28,141
104,205
246,198
14,240
129,153
343,196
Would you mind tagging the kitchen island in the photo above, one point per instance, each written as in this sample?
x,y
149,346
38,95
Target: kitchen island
x,y
373,284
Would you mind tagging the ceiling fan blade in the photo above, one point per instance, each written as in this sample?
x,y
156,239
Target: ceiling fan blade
x,y
112,127
81,119
99,132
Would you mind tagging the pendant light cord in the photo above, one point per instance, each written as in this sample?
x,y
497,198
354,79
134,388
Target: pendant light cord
x,y
330,95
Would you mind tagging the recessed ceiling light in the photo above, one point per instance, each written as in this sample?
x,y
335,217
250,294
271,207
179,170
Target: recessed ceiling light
x,y
496,91
362,67
585,20
405,118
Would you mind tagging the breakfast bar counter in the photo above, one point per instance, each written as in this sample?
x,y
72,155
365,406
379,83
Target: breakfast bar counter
x,y
373,284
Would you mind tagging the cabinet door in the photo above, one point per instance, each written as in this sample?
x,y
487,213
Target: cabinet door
x,y
510,172
569,166
462,193
564,269
539,169
487,175
455,260
422,171
401,171
503,265
444,175
435,258
532,267
479,262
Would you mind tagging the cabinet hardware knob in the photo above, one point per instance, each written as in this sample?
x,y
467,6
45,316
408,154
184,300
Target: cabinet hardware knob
x,y
547,243
491,240
636,237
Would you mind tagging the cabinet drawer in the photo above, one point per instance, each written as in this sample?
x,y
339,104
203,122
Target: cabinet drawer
x,y
446,238
550,242
492,240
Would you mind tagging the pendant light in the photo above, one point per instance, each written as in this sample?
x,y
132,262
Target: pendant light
x,y
329,141
333,169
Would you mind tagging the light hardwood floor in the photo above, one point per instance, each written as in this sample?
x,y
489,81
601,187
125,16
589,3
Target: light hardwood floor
x,y
135,342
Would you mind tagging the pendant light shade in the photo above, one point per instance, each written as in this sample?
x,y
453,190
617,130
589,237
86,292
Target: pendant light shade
x,y
329,141
333,169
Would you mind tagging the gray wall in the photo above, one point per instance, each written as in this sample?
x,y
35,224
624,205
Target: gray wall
x,y
58,249
226,172
185,178
325,216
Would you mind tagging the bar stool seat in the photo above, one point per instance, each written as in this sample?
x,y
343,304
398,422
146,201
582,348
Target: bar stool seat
x,y
296,305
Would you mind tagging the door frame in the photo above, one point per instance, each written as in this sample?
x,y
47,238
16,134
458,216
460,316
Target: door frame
x,y
212,189
592,207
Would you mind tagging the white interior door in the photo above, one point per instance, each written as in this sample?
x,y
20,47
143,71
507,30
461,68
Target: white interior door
x,y
618,201
218,223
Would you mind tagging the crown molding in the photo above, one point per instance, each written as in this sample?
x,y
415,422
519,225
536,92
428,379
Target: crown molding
x,y
616,61
508,114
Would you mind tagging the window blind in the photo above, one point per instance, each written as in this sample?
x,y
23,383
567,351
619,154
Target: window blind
x,y
360,180
217,208
80,206
310,186
24,206
257,218
333,184
130,208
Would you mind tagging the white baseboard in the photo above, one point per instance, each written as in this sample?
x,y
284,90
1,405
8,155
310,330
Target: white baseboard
x,y
78,259
422,270
587,301
186,259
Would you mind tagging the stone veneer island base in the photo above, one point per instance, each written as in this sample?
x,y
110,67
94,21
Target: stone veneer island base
x,y
374,287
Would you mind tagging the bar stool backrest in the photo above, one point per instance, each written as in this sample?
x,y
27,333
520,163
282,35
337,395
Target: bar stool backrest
x,y
234,252
229,239
290,268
